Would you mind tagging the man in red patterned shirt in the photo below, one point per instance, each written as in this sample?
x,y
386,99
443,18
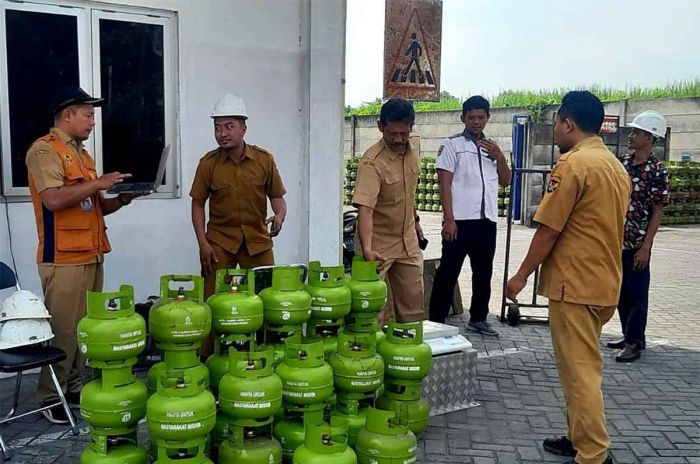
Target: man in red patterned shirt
x,y
649,196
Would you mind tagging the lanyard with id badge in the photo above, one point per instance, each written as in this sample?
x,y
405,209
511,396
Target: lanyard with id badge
x,y
87,204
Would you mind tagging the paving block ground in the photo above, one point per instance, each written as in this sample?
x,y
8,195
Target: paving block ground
x,y
653,405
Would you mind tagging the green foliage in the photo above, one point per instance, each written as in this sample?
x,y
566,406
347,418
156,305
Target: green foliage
x,y
536,101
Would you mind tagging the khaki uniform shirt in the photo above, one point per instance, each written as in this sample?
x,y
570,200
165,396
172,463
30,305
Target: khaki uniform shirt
x,y
586,201
386,182
237,192
47,171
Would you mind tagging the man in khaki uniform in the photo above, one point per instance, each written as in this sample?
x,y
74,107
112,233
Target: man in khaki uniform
x,y
388,226
69,209
236,179
579,243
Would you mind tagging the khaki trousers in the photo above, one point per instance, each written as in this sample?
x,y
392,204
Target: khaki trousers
x,y
65,291
575,332
404,280
228,260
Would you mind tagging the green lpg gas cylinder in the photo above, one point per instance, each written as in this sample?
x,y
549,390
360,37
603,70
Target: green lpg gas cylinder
x,y
250,390
385,439
218,434
122,452
111,331
368,290
180,363
115,402
291,430
180,316
357,368
276,336
405,354
191,452
406,394
349,408
361,322
327,330
218,362
286,302
306,376
181,409
325,444
330,297
248,445
235,307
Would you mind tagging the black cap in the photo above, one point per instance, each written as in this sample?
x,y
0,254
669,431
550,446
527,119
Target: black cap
x,y
72,95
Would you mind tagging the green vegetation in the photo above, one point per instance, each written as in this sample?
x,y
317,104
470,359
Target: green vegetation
x,y
535,101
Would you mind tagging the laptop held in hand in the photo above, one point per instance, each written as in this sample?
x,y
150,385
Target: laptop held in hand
x,y
144,188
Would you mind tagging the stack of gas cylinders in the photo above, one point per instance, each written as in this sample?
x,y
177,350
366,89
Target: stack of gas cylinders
x,y
181,413
301,372
111,336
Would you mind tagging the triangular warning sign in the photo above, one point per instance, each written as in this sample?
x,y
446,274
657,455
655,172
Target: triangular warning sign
x,y
412,65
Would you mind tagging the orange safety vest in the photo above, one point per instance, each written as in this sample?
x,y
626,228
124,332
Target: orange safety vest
x,y
71,235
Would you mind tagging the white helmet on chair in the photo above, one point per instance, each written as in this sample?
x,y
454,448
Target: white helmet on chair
x,y
22,332
23,304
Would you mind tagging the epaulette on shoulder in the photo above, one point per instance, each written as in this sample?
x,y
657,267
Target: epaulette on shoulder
x,y
262,150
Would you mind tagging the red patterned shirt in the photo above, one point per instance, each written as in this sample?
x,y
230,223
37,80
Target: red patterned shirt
x,y
649,188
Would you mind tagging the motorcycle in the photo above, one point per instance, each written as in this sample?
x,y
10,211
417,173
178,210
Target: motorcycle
x,y
349,227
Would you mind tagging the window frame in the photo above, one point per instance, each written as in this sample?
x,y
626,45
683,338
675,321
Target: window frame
x,y
88,15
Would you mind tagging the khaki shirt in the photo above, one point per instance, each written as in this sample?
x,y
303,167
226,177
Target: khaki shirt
x,y
386,183
586,201
237,192
47,171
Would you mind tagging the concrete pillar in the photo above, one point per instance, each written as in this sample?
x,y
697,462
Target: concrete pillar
x,y
326,103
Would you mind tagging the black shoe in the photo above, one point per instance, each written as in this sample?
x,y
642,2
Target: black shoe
x,y
630,353
561,446
617,344
483,328
55,415
73,398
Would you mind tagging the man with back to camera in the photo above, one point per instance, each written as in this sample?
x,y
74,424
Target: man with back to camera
x,y
69,209
579,242
236,179
388,227
649,196
470,168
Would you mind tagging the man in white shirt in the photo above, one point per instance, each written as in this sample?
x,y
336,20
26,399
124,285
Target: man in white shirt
x,y
470,169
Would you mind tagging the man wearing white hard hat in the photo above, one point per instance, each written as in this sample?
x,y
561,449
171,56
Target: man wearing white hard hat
x,y
236,179
649,196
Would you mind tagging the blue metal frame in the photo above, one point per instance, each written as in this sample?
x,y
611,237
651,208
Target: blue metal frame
x,y
520,122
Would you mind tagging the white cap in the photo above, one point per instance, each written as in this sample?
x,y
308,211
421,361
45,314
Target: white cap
x,y
650,121
23,304
230,105
23,332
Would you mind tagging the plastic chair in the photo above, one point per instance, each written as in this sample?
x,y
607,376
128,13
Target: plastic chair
x,y
21,359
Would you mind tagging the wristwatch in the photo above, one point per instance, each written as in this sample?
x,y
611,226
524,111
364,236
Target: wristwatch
x,y
121,201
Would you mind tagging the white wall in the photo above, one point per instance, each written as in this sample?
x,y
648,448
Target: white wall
x,y
285,58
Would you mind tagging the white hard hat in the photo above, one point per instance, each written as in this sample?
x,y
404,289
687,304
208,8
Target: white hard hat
x,y
22,332
230,105
23,304
650,121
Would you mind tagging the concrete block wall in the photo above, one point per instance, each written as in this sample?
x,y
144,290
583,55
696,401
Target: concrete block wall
x,y
682,114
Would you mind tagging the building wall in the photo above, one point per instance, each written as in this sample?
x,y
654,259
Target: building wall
x,y
262,51
682,114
